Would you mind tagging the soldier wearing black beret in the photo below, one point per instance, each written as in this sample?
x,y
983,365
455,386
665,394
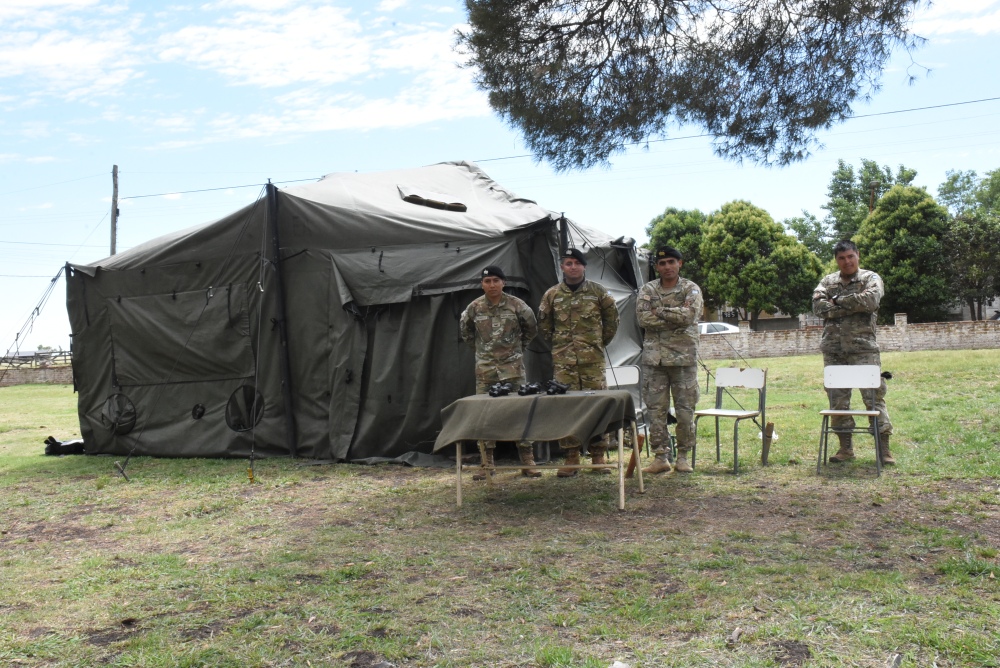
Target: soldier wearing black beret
x,y
499,327
578,318
668,310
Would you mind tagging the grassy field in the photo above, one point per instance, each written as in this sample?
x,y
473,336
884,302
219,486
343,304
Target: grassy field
x,y
190,564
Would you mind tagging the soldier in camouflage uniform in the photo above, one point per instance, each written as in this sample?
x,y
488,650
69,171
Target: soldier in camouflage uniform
x,y
668,310
578,318
499,326
848,301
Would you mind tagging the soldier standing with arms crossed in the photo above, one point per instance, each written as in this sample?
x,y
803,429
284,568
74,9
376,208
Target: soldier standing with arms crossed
x,y
847,301
668,310
499,327
578,318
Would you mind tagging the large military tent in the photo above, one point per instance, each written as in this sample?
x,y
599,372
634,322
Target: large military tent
x,y
320,321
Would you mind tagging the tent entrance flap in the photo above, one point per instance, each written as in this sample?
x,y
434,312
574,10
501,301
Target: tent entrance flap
x,y
181,337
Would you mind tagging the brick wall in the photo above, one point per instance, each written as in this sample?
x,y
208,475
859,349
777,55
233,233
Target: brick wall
x,y
902,336
58,375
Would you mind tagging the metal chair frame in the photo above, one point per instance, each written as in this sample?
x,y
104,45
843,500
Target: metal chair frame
x,y
725,378
850,376
629,377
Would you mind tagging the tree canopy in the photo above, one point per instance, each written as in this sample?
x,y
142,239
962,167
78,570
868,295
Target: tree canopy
x,y
752,265
973,237
903,240
812,233
683,230
853,194
583,78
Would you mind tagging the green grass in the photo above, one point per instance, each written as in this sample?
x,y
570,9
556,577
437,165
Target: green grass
x,y
191,565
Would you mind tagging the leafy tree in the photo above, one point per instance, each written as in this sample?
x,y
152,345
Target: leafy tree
x,y
903,240
752,265
683,230
813,233
958,192
582,78
971,245
853,194
988,193
973,237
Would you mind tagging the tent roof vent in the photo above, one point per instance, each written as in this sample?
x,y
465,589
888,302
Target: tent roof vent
x,y
431,199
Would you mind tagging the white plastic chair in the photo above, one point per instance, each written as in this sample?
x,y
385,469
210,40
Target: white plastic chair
x,y
725,378
851,376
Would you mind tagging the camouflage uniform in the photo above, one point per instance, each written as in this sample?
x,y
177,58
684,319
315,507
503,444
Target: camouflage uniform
x,y
579,324
499,335
669,358
849,336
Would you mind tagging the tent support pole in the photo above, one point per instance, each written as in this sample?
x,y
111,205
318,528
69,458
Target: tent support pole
x,y
563,235
291,436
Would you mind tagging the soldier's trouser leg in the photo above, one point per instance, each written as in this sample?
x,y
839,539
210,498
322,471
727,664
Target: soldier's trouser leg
x,y
684,390
656,393
580,377
662,382
840,399
487,448
526,454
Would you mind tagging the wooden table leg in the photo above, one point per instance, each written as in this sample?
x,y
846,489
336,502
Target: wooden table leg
x,y
638,451
458,474
621,469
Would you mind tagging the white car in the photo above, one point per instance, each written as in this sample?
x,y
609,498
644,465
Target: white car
x,y
717,328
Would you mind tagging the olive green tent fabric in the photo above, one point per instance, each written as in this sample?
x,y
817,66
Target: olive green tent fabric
x,y
178,343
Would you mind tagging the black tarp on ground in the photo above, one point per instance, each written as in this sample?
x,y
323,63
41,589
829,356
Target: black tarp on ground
x,y
178,344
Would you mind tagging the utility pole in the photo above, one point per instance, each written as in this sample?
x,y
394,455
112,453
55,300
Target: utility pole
x,y
114,209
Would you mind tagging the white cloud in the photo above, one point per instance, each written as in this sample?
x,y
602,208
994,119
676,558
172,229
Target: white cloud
x,y
41,12
65,64
41,159
301,66
956,17
267,49
35,129
175,123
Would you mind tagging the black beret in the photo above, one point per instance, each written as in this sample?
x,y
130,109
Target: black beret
x,y
668,251
576,254
493,270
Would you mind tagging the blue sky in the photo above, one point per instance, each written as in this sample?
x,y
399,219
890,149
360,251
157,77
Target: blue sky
x,y
217,95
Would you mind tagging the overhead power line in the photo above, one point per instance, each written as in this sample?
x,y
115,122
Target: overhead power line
x,y
704,135
206,190
42,243
936,106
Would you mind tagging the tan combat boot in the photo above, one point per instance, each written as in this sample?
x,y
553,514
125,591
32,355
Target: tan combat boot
x,y
528,459
846,452
597,457
682,465
658,465
887,459
572,459
487,464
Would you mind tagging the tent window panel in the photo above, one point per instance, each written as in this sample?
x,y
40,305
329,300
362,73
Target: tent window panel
x,y
181,337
